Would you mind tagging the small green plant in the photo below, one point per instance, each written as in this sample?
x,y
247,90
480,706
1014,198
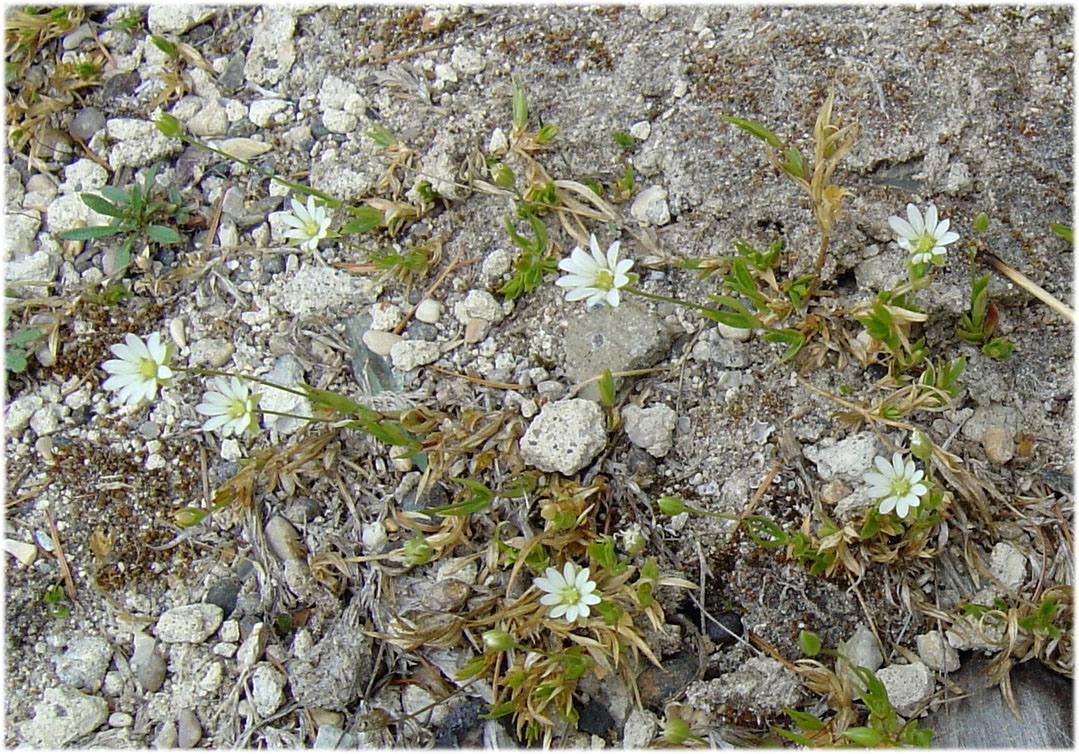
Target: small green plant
x,y
624,140
1063,231
18,346
133,212
977,324
56,604
533,263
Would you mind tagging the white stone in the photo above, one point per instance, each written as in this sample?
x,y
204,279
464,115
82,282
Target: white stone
x,y
908,686
429,311
211,120
653,13
272,51
373,536
251,649
495,264
242,147
641,130
64,715
68,211
1009,565
82,176
18,413
138,143
651,428
639,730
45,420
936,652
176,18
734,333
84,662
20,229
650,207
24,552
467,60
861,650
565,436
406,355
262,111
498,144
847,459
335,93
267,689
384,315
380,341
339,122
188,623
319,290
482,304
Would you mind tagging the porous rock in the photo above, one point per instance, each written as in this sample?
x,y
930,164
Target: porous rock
x,y
62,716
84,662
565,436
616,338
188,623
908,686
331,675
936,652
650,428
847,459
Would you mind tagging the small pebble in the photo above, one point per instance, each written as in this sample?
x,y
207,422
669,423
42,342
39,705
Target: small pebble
x,y
190,730
120,720
475,330
834,491
380,341
999,444
428,311
150,430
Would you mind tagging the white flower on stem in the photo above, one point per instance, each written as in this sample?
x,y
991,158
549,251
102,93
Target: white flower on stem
x,y
569,593
308,225
231,407
595,277
925,238
139,368
898,485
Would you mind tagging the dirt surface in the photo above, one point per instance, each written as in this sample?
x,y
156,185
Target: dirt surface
x,y
967,109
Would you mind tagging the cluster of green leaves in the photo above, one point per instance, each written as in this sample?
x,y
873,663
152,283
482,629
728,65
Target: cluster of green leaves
x,y
56,604
18,345
882,727
767,533
1042,620
534,261
977,324
132,212
888,322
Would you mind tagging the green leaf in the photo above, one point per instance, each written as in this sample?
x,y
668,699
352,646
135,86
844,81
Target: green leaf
x,y
98,204
611,613
546,133
24,337
500,710
116,195
521,485
366,218
998,348
759,527
481,498
164,45
804,720
471,668
754,129
921,737
520,104
981,222
123,254
792,337
15,360
605,388
338,402
1064,232
809,643
162,234
795,737
864,736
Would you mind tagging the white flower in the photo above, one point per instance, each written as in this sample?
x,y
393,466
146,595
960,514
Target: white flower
x,y
231,407
594,277
568,593
925,238
310,224
897,485
140,368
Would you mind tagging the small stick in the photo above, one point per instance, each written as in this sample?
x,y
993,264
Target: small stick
x,y
69,584
409,53
1028,285
479,380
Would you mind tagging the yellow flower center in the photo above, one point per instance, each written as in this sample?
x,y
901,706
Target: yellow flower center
x,y
237,408
570,595
311,228
926,243
604,280
147,369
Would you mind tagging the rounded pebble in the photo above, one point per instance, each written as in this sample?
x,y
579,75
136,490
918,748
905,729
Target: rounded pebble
x,y
999,444
380,341
120,720
429,311
189,730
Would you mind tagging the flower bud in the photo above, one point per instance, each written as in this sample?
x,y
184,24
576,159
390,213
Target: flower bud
x,y
633,540
417,551
190,516
497,640
168,125
503,176
675,731
672,506
920,445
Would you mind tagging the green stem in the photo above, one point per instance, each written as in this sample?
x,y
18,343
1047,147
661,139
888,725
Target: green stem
x,y
657,297
293,416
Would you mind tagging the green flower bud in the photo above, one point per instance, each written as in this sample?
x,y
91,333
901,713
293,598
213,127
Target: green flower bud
x,y
981,222
190,516
675,731
417,551
672,506
497,640
920,446
503,176
168,125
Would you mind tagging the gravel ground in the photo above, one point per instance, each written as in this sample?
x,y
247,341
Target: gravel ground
x,y
278,621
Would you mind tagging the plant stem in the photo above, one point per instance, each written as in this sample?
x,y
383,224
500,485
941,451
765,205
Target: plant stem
x,y
816,268
216,373
657,297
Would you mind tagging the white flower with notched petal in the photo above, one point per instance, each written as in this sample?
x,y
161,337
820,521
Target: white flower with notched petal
x,y
139,368
596,277
309,224
231,407
569,593
925,238
898,485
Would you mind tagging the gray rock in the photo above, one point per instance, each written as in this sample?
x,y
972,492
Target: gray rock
x,y
18,413
61,717
83,175
267,689
476,329
210,120
20,228
406,355
188,729
188,623
147,663
936,652
272,51
651,428
166,736
908,686
46,420
988,416
429,311
565,436
479,304
653,13
1009,565
138,143
121,720
958,181
261,111
176,18
84,662
319,290
639,730
41,266
761,684
861,650
251,649
332,673
87,122
650,207
496,264
287,372
213,352
847,459
467,60
616,338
